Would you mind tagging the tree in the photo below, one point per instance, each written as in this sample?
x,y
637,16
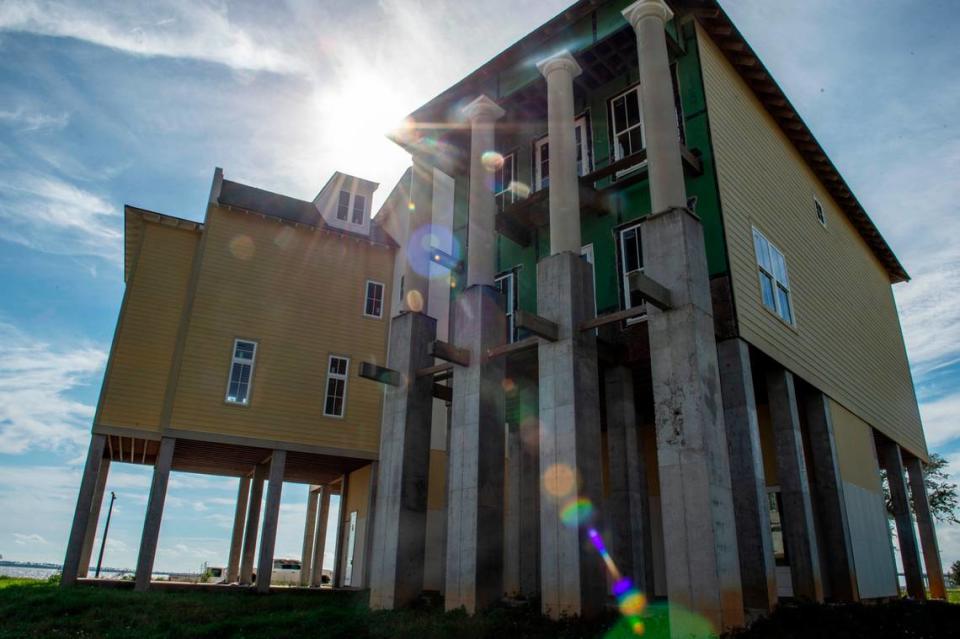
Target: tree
x,y
942,494
953,575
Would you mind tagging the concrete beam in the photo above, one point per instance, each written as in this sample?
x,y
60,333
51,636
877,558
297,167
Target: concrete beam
x,y
252,525
799,530
892,461
831,504
81,515
928,533
94,520
449,353
271,517
750,502
650,290
309,532
537,325
236,538
371,371
151,524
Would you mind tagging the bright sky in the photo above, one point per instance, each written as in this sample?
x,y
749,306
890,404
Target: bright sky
x,y
136,102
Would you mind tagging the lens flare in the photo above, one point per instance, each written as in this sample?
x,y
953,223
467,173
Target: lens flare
x,y
242,247
491,160
521,190
558,480
284,237
629,599
509,386
576,512
411,206
421,254
414,300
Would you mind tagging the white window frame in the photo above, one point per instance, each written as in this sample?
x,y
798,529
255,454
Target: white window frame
x,y
618,154
350,206
622,266
345,377
507,194
346,207
367,298
820,212
234,360
510,305
760,244
586,157
362,200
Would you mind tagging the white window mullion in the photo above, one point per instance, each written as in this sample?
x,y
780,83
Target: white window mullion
x,y
335,398
240,378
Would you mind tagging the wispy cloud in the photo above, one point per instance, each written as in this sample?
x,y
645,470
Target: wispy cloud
x,y
941,419
25,119
36,378
28,539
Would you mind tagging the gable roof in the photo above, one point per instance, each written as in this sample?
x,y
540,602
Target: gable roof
x,y
720,27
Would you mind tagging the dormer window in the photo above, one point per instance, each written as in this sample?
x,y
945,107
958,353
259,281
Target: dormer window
x,y
359,207
343,206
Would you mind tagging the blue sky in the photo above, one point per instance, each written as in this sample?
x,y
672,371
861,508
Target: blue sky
x,y
137,102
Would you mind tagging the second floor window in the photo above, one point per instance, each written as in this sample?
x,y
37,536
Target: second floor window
x,y
541,155
503,182
626,123
359,207
343,206
335,401
373,302
241,371
631,261
774,281
507,283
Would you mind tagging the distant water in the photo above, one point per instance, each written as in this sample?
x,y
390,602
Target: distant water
x,y
41,573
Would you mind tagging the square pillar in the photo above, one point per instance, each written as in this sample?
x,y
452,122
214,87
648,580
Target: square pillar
x,y
236,537
522,522
339,553
309,530
799,530
628,501
831,505
892,461
252,525
271,516
320,539
151,524
757,566
81,515
371,505
571,575
511,518
475,493
95,506
399,537
928,534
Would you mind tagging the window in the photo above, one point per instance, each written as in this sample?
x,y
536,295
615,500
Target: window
x,y
587,252
626,119
503,182
821,216
337,371
373,303
774,503
541,153
359,208
241,370
343,206
774,282
507,284
631,261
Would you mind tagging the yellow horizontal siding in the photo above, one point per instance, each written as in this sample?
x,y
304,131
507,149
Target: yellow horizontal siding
x,y
358,493
299,293
147,331
847,339
856,451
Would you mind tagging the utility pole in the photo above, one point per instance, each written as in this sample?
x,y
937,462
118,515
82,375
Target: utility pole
x,y
106,528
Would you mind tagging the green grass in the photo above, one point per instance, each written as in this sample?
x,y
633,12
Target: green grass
x,y
30,608
953,595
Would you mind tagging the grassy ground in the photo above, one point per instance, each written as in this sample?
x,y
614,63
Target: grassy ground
x,y
30,608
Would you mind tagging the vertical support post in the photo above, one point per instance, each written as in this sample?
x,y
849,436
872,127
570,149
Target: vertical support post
x,y
236,538
416,281
151,524
909,553
481,253
95,507
928,534
396,577
511,520
628,499
320,540
271,516
799,531
371,512
529,514
828,486
309,530
339,558
81,515
702,565
253,524
572,581
758,572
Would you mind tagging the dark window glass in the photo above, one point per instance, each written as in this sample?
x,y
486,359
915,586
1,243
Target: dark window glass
x,y
359,205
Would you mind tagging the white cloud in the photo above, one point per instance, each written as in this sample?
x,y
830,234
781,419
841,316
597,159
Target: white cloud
x,y
35,379
28,540
941,419
26,120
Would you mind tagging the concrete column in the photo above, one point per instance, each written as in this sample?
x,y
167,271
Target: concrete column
x,y
628,498
831,505
572,581
320,540
271,516
481,253
368,534
560,70
660,130
928,534
750,503
799,530
401,508
339,554
81,515
511,520
474,566
253,524
236,538
892,461
94,520
151,524
702,565
529,500
416,268
309,531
